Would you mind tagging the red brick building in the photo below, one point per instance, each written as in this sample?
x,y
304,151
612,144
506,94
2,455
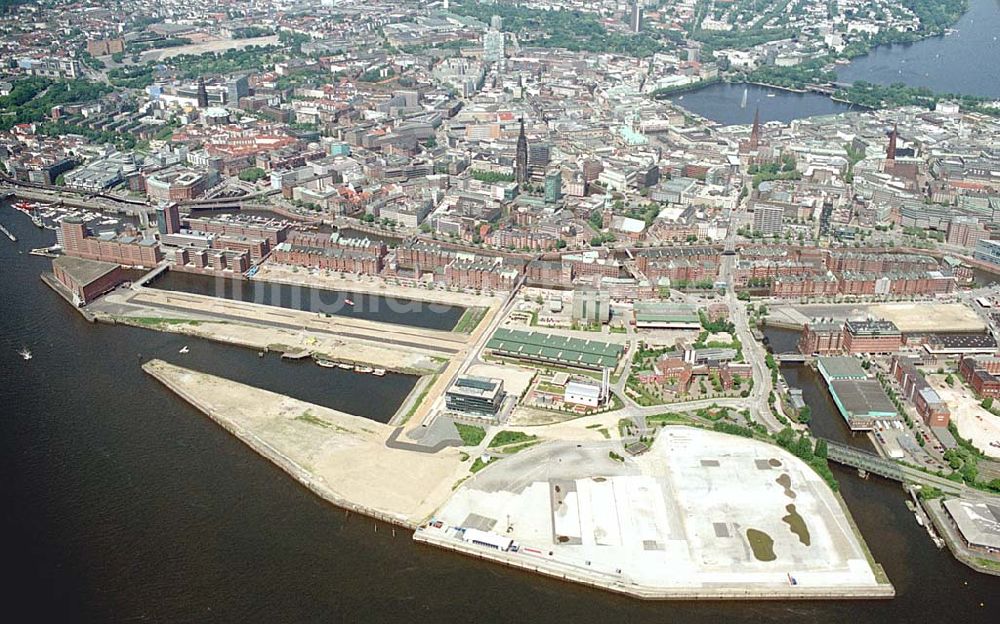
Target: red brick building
x,y
86,279
123,249
981,375
332,258
804,286
821,338
872,336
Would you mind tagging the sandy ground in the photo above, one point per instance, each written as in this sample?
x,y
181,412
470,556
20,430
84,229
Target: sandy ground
x,y
209,46
974,423
909,317
516,379
340,456
920,317
368,284
151,302
674,518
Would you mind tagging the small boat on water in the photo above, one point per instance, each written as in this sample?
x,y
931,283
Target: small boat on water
x,y
772,95
344,366
25,354
379,372
184,349
362,369
349,302
326,363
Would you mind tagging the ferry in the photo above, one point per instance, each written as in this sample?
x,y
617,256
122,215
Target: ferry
x,y
326,363
349,302
379,372
25,354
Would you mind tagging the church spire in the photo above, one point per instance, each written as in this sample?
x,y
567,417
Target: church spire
x,y
890,152
755,130
521,157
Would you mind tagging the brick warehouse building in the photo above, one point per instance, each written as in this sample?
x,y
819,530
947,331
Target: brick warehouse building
x,y
872,336
123,249
87,280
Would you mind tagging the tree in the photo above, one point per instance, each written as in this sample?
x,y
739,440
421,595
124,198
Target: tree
x,y
252,174
987,403
805,414
822,451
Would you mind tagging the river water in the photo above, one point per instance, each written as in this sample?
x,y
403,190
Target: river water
x,y
122,503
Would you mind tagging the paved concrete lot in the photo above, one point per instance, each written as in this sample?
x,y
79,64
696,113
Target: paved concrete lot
x,y
676,517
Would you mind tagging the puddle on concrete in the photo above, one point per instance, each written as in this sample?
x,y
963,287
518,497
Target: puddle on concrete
x,y
599,479
761,544
774,462
786,482
562,539
796,524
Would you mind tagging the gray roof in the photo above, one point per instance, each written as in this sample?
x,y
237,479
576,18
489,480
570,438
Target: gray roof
x,y
83,271
842,367
978,522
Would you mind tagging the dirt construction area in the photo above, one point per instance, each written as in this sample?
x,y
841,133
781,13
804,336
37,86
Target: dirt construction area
x,y
929,317
700,511
974,423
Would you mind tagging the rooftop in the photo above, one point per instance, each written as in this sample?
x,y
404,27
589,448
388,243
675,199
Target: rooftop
x,y
841,367
862,398
83,271
978,522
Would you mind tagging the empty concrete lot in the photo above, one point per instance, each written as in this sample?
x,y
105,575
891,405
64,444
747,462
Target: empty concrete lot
x,y
676,518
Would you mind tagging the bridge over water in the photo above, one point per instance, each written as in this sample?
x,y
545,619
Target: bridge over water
x,y
887,468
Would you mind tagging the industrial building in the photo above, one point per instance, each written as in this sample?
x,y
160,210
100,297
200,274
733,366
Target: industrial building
x,y
872,336
860,400
591,306
651,314
978,523
86,280
560,350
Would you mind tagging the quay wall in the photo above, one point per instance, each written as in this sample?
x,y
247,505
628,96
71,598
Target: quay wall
x,y
553,570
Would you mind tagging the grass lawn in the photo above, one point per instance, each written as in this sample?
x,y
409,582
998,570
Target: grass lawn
x,y
419,400
471,434
470,320
152,321
510,437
